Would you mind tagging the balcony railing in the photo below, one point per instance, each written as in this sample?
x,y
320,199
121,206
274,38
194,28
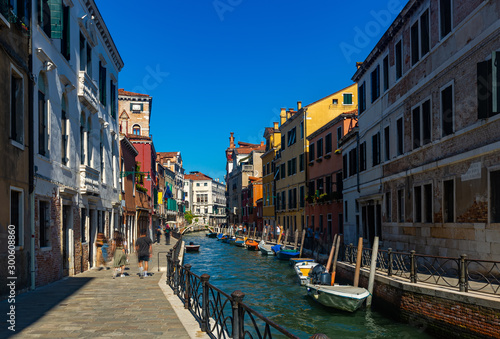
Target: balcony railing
x,y
88,92
89,180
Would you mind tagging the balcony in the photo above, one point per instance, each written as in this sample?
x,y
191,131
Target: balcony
x,y
89,180
88,92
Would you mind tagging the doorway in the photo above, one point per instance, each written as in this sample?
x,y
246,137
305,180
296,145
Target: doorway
x,y
67,241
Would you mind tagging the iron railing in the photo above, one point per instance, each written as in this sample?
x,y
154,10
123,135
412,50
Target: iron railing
x,y
457,273
219,314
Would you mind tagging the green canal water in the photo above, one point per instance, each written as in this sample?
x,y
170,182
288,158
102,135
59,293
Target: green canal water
x,y
272,288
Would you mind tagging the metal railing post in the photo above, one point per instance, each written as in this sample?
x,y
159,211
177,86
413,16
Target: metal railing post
x,y
187,295
177,276
169,268
413,266
238,329
204,307
389,264
464,286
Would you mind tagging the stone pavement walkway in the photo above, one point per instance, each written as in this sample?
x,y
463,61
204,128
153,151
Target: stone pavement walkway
x,y
93,304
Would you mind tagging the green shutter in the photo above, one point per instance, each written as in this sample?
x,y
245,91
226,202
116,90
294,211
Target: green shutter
x,y
56,19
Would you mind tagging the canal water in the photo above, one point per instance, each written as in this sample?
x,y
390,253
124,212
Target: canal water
x,y
272,288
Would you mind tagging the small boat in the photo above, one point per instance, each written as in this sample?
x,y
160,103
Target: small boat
x,y
239,241
342,297
295,261
231,240
302,270
287,254
192,247
276,248
265,248
211,235
220,236
252,245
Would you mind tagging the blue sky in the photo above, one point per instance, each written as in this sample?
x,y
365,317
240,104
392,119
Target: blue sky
x,y
215,67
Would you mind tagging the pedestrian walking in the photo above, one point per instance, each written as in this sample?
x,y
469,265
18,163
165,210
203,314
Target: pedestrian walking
x,y
119,248
100,242
144,249
158,234
167,235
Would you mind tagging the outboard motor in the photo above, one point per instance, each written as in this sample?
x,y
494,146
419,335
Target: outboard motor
x,y
319,276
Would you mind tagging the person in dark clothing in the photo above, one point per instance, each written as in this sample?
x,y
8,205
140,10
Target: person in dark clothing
x,y
158,234
144,249
167,235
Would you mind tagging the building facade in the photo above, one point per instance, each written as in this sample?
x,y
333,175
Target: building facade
x,y
76,171
428,118
206,198
135,112
273,143
173,161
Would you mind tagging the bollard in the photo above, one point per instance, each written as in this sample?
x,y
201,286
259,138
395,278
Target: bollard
x,y
204,307
169,268
238,326
389,264
176,276
413,266
464,286
187,295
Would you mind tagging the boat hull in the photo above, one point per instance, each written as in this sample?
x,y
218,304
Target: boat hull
x,y
295,261
192,248
302,269
287,254
265,248
342,297
252,245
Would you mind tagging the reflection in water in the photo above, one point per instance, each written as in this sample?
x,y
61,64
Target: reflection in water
x,y
272,288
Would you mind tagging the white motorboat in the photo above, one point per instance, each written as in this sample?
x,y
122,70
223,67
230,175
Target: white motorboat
x,y
265,248
342,297
302,270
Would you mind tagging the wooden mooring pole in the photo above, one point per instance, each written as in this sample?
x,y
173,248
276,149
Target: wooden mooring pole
x,y
373,268
358,262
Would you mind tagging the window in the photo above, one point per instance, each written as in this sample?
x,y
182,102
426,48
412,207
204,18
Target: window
x,y
417,196
421,120
19,8
328,143
101,154
329,224
401,207
291,137
82,225
448,201
344,165
197,184
43,131
282,170
385,65
311,152
375,83
400,136
293,164
88,143
353,161
44,16
447,110
347,98
362,156
339,134
399,59
376,149
328,184
319,148
64,131
346,210
319,186
362,97
82,139
205,184
488,93
387,143
44,222
335,101
136,130
112,101
420,38
283,146
16,107
338,182
65,38
301,163
311,188
495,196
444,17
102,84
85,56
388,209
428,199
16,214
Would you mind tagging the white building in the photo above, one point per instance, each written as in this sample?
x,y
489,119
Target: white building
x,y
206,198
76,66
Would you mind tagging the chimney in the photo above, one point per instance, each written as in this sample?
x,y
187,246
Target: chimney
x,y
276,126
231,140
262,143
299,105
283,116
358,64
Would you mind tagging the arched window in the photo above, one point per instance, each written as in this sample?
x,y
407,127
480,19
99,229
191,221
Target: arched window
x,y
136,130
64,131
43,131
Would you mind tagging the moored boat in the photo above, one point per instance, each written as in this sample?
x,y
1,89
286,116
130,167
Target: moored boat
x,y
287,254
239,241
342,297
252,245
295,261
211,234
192,247
302,269
265,248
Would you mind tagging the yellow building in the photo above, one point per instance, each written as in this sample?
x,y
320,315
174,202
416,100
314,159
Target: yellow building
x,y
290,160
273,143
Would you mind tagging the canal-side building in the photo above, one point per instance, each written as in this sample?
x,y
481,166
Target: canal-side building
x,y
16,185
253,193
171,208
173,161
135,112
323,207
75,65
273,143
428,123
242,162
